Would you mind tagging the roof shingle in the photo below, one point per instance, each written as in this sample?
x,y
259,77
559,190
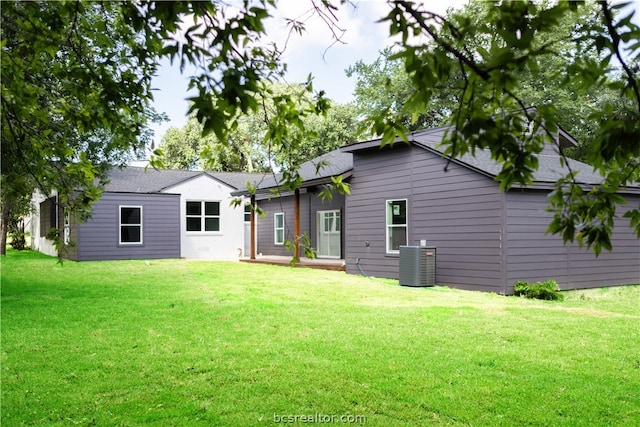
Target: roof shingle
x,y
148,180
550,167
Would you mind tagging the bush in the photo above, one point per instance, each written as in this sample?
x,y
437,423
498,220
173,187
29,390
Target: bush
x,y
18,241
547,290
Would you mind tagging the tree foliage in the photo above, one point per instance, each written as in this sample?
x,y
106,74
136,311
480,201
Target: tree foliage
x,y
326,133
188,148
316,134
383,86
247,149
76,85
75,92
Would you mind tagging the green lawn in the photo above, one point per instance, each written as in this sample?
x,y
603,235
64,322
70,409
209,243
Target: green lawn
x,y
176,342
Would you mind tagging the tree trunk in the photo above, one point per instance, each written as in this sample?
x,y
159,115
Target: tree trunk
x,y
6,212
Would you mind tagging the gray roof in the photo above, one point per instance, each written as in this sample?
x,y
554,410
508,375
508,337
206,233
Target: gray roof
x,y
133,179
314,172
238,180
550,167
340,162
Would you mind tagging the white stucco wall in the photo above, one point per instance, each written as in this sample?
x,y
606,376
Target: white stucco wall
x,y
228,243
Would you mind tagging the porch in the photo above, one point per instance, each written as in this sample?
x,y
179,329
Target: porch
x,y
319,263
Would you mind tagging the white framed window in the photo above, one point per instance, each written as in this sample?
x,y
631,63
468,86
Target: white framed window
x,y
278,228
67,227
203,216
247,213
130,224
397,228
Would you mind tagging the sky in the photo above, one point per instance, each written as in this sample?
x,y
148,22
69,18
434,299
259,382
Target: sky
x,y
312,52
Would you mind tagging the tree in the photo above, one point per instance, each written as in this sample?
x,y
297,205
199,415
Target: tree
x,y
491,112
246,149
188,148
74,99
326,133
285,133
180,148
383,86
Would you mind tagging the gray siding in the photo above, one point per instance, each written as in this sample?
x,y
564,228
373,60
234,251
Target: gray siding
x,y
98,237
310,203
534,256
458,211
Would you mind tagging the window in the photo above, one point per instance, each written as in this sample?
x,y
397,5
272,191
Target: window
x,y
48,216
396,225
203,216
67,227
53,215
247,213
278,229
130,225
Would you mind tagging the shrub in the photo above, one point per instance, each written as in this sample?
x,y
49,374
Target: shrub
x,y
547,290
18,241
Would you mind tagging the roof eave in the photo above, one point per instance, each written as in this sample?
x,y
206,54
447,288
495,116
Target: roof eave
x,y
305,184
182,181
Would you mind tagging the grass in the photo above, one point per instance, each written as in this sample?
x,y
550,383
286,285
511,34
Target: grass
x,y
183,343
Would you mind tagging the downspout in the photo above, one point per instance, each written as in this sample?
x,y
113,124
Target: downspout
x,y
360,267
309,218
504,238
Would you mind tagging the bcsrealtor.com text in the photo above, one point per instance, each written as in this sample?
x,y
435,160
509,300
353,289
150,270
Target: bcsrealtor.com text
x,y
319,418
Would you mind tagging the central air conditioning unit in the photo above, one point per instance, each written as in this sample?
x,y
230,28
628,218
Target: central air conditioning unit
x,y
417,266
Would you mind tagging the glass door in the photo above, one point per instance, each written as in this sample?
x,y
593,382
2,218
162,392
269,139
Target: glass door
x,y
329,230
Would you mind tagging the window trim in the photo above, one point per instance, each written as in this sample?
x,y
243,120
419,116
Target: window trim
x,y
389,225
337,224
203,216
276,228
67,227
141,225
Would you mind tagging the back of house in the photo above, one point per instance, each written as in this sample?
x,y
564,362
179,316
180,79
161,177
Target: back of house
x,y
409,194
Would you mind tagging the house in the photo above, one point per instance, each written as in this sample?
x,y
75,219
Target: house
x,y
486,239
147,213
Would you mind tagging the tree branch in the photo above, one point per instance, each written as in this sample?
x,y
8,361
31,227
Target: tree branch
x,y
615,38
421,21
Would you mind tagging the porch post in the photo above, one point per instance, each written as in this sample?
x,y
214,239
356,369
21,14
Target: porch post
x,y
253,227
296,225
